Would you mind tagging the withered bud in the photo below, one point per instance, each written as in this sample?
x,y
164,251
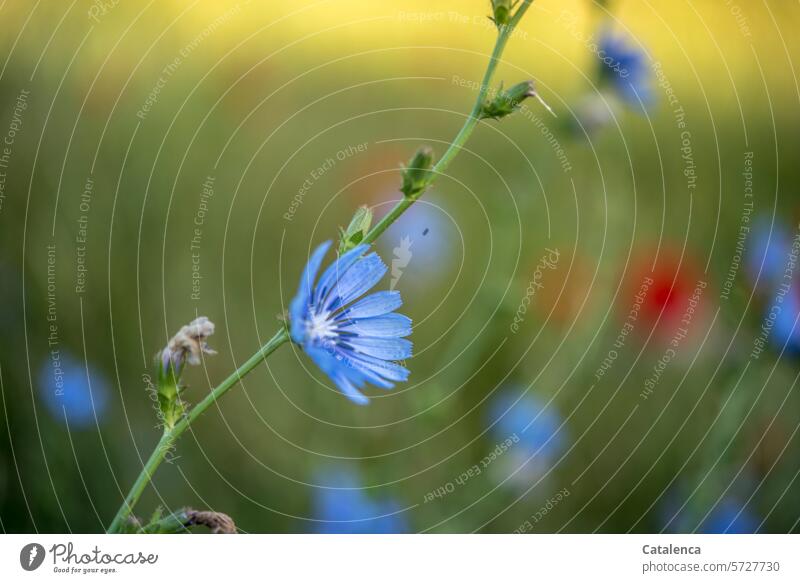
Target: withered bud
x,y
188,345
216,522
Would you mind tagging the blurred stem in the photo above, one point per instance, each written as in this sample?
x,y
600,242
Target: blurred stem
x,y
171,435
463,135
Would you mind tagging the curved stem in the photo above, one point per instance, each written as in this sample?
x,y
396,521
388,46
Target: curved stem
x,y
171,435
463,135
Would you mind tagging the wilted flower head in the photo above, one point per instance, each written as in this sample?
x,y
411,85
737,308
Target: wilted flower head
x,y
353,343
188,345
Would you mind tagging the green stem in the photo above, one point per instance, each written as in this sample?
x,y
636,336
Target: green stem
x,y
171,434
172,524
462,136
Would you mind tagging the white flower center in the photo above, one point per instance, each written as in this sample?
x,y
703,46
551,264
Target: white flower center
x,y
321,327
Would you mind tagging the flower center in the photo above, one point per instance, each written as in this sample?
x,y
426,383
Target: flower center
x,y
320,327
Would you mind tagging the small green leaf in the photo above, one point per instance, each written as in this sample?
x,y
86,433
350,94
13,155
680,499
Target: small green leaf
x,y
357,229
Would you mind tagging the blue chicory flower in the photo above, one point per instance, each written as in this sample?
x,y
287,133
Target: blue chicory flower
x,y
343,507
353,343
625,68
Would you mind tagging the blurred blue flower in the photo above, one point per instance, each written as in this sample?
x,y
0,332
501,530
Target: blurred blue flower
x,y
352,344
786,328
767,258
625,68
421,242
767,251
730,517
66,390
343,507
521,414
727,517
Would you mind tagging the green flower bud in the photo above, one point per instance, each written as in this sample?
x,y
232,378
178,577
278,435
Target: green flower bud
x,y
502,11
417,174
187,347
171,406
507,102
356,230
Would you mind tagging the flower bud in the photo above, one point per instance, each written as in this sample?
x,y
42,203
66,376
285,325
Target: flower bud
x,y
356,230
502,11
417,174
507,102
187,346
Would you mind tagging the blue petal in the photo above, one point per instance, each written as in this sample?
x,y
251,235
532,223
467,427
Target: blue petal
x,y
365,370
385,348
299,306
376,304
343,375
349,390
388,326
356,281
385,368
335,271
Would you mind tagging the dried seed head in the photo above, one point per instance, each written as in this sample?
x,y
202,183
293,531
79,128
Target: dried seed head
x,y
188,345
216,522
